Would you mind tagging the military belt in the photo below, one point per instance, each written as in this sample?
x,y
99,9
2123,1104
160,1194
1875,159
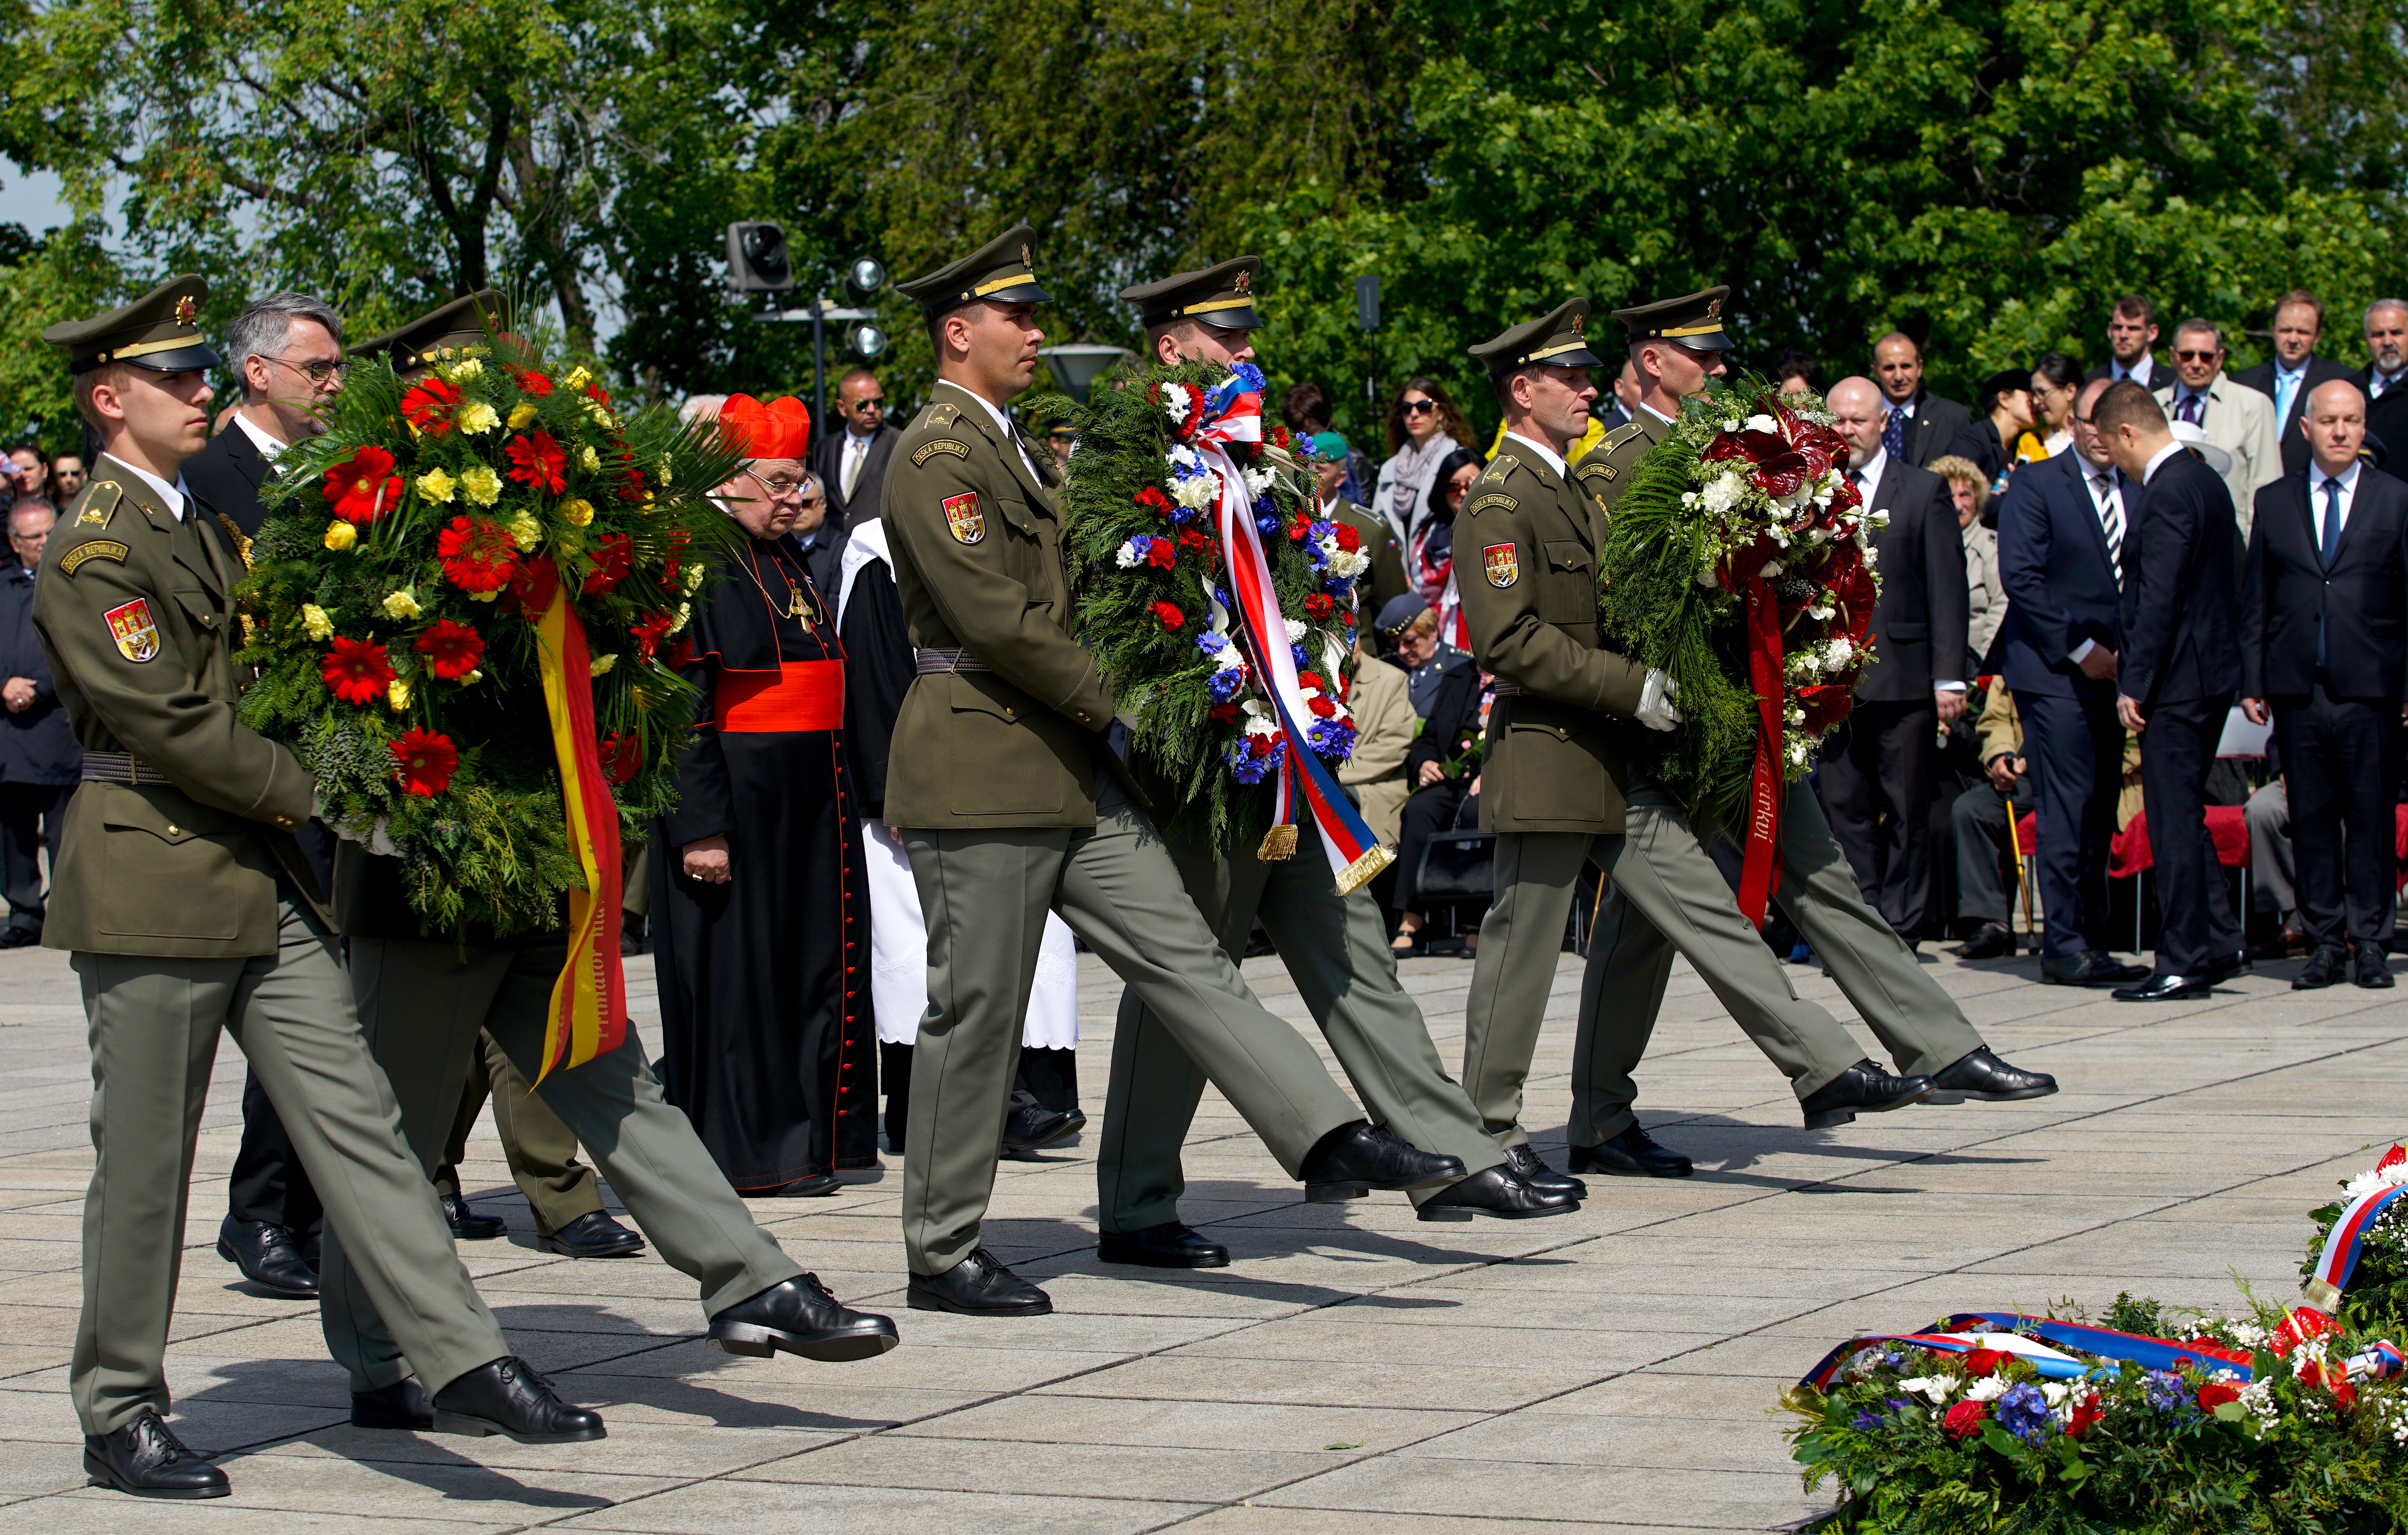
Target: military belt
x,y
121,767
1506,689
926,662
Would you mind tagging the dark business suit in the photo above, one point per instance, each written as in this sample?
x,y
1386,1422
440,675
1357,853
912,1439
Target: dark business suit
x,y
826,461
39,760
2161,373
1935,423
2182,664
2386,421
2063,589
2295,442
2322,638
1879,770
228,474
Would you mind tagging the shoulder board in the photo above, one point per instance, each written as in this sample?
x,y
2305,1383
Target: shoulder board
x,y
1598,469
943,414
91,549
1503,465
1619,436
99,504
1492,499
934,446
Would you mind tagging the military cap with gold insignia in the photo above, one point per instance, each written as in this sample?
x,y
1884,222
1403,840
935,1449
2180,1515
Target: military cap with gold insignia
x,y
474,320
160,331
1693,321
1553,341
1220,295
1001,271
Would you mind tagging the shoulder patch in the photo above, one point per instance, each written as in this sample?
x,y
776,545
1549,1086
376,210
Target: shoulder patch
x,y
131,628
934,446
99,504
943,414
1596,471
1502,563
962,518
1492,499
95,548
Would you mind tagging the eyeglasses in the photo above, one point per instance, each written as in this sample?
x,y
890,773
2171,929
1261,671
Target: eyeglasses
x,y
778,488
1415,407
877,403
318,374
2185,356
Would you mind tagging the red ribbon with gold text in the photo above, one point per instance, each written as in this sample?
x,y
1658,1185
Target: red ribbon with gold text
x,y
1760,865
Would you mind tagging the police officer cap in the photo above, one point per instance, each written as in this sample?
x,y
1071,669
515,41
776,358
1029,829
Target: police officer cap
x,y
474,320
1001,271
1400,611
1220,295
160,331
1693,320
1554,340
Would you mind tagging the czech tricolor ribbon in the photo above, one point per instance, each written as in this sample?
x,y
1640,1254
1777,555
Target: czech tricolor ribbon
x,y
1971,1331
1234,414
2342,1246
589,1001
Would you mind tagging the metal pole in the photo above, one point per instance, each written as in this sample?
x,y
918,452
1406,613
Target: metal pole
x,y
819,361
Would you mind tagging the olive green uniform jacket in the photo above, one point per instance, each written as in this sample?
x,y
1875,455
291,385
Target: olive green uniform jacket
x,y
1009,738
1526,561
135,614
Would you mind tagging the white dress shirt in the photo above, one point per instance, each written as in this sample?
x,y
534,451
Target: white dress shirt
x,y
172,495
1010,435
1544,455
2143,372
2316,479
856,452
2100,483
268,447
2379,384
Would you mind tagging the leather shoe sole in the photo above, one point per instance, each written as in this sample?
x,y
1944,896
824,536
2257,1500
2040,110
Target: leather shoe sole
x,y
281,1292
472,1426
754,1342
105,1475
818,1186
1822,1119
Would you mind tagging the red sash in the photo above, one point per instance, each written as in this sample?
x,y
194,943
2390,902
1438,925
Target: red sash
x,y
801,695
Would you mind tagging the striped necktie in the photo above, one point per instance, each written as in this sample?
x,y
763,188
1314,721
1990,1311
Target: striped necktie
x,y
2111,515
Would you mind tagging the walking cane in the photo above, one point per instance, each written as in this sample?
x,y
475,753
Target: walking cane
x,y
2022,886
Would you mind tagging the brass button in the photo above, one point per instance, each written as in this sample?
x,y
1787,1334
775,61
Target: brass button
x,y
174,830
1011,714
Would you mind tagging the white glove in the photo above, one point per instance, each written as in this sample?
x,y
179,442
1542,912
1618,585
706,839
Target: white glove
x,y
1655,711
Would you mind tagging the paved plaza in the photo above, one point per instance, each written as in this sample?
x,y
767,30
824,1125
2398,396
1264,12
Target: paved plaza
x,y
1353,1371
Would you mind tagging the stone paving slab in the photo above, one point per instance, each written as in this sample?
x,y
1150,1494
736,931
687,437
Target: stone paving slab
x,y
1356,1370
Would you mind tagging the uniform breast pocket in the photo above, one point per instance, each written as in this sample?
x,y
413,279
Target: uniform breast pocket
x,y
1567,586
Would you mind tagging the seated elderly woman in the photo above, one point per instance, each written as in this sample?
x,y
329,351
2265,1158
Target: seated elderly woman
x,y
1984,587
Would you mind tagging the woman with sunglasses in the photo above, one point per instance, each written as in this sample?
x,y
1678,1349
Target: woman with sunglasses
x,y
2055,382
1423,426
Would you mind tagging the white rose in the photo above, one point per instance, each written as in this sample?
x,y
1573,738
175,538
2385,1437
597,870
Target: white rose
x,y
1763,423
1989,1388
1835,654
1194,491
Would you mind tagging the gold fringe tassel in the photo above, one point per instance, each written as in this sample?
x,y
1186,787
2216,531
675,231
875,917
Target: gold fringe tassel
x,y
1278,843
1353,876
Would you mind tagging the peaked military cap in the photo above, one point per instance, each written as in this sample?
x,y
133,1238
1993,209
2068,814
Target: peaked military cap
x,y
160,331
1220,295
1001,271
462,322
1693,320
1557,340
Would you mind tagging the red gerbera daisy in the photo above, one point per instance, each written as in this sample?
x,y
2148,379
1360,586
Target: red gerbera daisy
x,y
612,560
451,650
429,406
356,671
477,555
360,488
529,380
536,461
1167,616
650,632
424,762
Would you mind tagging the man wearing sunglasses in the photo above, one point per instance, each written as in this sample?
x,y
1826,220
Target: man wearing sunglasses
x,y
2239,420
850,455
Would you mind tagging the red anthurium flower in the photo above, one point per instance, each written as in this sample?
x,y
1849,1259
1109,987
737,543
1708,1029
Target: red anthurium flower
x,y
363,487
451,650
536,461
2216,1393
2299,1328
477,554
530,380
1318,605
424,762
1965,1418
356,671
1167,616
612,559
430,406
623,756
650,632
2392,1158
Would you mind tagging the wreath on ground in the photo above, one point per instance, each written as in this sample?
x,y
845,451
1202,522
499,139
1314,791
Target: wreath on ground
x,y
392,603
1153,596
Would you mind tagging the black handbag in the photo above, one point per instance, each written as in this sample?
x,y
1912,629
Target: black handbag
x,y
1459,864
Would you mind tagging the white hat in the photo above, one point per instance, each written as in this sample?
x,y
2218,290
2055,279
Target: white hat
x,y
2196,441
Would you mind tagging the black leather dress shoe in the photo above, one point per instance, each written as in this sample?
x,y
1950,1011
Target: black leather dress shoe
x,y
1990,940
2165,988
19,938
819,1186
1862,1088
978,1286
1032,1127
2372,967
508,1396
467,1225
2091,967
1497,1191
2236,963
1531,1170
1982,1075
147,1459
592,1234
801,1317
1354,1159
269,1257
1633,1154
2325,968
401,1405
1173,1245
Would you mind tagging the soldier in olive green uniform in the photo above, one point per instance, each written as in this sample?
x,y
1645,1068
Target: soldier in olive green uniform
x,y
1010,804
191,910
428,1001
1335,948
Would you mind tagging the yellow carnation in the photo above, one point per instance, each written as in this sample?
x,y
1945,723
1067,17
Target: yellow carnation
x,y
577,511
578,377
525,532
434,485
521,414
665,470
478,676
397,694
314,620
484,597
692,576
477,417
602,664
463,370
587,459
482,484
400,605
685,611
342,535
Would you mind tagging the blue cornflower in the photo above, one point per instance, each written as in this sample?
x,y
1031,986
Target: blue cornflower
x,y
1866,1423
2024,1413
1250,378
1211,642
2166,1392
1301,659
1266,523
1225,685
1321,529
